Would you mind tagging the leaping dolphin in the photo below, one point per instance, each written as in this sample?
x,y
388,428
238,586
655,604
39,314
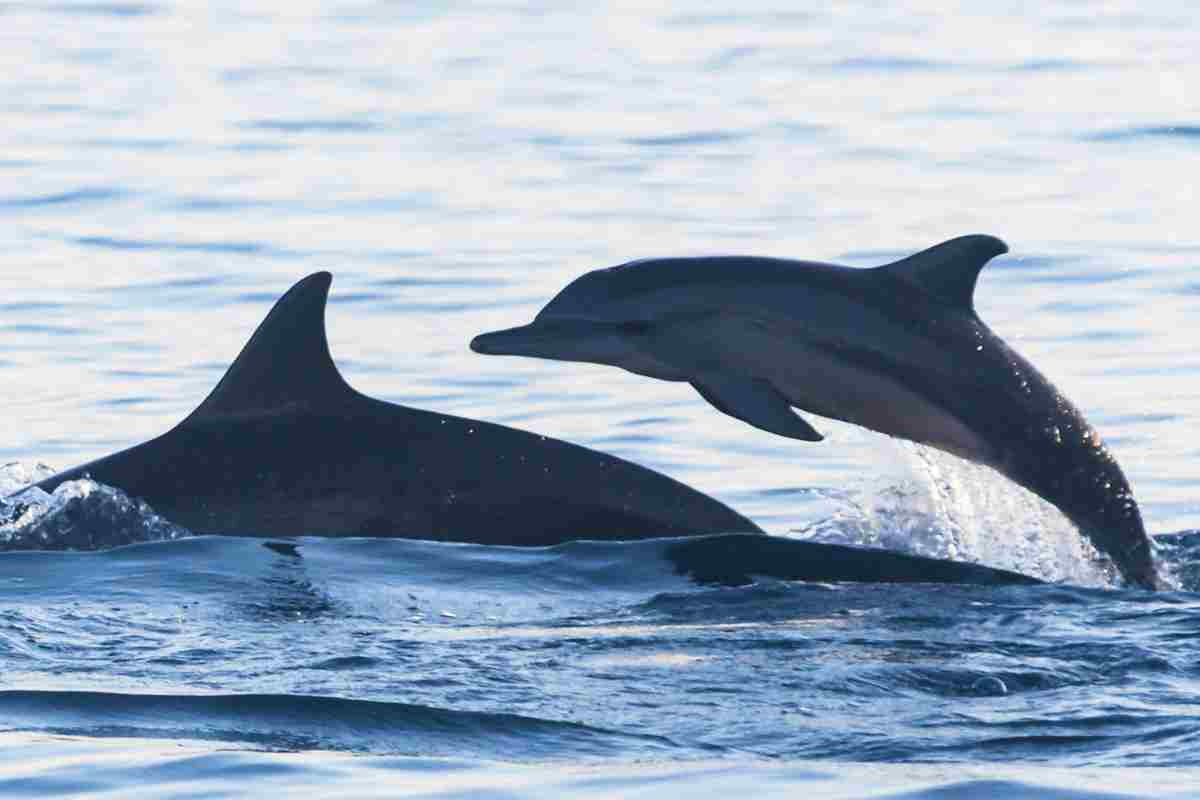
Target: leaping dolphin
x,y
898,349
284,446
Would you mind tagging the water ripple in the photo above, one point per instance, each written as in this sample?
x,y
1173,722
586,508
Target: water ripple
x,y
74,197
685,139
314,125
1188,133
229,247
291,722
118,10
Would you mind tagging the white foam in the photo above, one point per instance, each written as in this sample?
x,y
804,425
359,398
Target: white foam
x,y
934,504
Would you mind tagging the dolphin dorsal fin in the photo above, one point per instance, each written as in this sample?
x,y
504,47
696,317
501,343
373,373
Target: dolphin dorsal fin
x,y
286,365
949,270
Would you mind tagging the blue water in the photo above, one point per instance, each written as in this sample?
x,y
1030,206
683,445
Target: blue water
x,y
167,171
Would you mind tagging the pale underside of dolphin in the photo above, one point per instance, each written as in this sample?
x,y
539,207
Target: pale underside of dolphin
x,y
897,349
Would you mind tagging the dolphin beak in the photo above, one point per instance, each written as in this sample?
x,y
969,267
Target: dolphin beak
x,y
557,339
525,340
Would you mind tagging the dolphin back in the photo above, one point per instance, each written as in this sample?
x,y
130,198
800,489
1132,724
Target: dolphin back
x,y
284,446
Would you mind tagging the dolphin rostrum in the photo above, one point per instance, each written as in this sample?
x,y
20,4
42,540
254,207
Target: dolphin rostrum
x,y
898,349
283,446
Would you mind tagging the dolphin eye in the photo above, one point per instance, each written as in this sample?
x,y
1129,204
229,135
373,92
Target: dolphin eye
x,y
634,328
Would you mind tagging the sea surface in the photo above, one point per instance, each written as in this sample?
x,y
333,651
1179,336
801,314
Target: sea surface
x,y
167,170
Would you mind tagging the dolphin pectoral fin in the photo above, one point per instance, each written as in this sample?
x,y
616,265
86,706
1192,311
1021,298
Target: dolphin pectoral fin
x,y
757,402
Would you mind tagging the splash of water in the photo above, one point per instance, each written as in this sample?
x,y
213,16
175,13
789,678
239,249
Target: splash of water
x,y
934,504
79,515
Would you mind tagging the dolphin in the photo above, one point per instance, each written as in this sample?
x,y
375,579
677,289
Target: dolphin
x,y
284,446
897,349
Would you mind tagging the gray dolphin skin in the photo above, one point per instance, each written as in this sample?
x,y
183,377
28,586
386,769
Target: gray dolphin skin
x,y
897,349
283,446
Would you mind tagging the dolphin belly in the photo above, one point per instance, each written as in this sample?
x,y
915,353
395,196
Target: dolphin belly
x,y
816,378
842,390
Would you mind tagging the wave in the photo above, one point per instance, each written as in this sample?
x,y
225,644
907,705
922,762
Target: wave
x,y
962,516
287,722
79,515
60,766
1182,132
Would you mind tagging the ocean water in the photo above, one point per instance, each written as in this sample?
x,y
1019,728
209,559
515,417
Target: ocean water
x,y
168,170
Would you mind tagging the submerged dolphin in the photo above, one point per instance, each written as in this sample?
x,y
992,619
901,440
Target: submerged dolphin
x,y
897,349
284,446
